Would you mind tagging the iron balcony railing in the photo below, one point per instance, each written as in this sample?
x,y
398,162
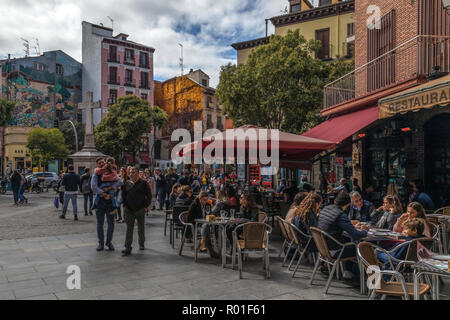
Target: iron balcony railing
x,y
413,59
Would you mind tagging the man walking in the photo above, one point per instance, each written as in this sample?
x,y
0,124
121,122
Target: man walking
x,y
71,184
104,208
136,196
16,179
161,188
85,188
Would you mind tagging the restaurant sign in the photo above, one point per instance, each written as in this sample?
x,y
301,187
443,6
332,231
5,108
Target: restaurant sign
x,y
415,101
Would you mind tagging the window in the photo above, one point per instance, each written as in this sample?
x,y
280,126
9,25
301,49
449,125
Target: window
x,y
208,102
128,76
295,8
113,53
144,96
209,123
59,69
39,66
112,96
144,80
143,60
324,37
324,2
144,146
204,82
113,75
350,29
129,55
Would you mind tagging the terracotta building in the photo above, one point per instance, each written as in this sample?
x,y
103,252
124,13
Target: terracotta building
x,y
186,99
391,116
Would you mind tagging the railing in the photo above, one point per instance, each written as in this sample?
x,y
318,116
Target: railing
x,y
413,59
113,58
129,61
130,83
114,80
144,85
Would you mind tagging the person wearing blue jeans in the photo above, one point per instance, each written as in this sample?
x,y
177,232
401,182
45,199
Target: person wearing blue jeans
x,y
70,196
71,183
87,197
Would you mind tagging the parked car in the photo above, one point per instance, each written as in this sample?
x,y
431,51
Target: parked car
x,y
50,178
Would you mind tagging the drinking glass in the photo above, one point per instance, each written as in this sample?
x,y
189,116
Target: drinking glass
x,y
232,213
222,214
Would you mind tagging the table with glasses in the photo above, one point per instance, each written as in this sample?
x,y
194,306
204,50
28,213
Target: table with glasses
x,y
434,268
222,222
443,223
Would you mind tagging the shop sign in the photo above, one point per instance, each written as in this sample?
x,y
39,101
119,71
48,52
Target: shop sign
x,y
339,160
423,100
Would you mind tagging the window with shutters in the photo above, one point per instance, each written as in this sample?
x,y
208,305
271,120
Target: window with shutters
x,y
324,37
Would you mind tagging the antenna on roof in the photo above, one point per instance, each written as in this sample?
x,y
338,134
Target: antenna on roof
x,y
26,44
181,59
112,22
285,10
101,24
37,47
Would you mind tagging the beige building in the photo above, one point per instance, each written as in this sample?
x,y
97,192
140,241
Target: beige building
x,y
331,23
17,156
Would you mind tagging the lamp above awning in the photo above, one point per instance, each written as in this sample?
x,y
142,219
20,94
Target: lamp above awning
x,y
342,127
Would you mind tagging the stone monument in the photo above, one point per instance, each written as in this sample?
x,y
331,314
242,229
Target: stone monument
x,y
88,154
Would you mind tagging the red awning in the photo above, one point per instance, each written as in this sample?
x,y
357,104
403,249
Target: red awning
x,y
340,128
145,158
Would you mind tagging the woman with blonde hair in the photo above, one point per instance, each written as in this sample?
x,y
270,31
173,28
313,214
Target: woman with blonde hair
x,y
390,211
414,211
307,212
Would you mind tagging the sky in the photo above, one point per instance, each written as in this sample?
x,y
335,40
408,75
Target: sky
x,y
205,28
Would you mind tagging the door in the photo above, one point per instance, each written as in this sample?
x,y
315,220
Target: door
x,y
324,37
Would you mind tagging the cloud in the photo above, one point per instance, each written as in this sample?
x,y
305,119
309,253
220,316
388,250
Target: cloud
x,y
206,28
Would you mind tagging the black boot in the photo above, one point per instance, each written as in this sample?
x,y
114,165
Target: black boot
x,y
100,247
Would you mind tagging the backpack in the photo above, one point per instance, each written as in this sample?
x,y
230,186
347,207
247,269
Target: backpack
x,y
86,186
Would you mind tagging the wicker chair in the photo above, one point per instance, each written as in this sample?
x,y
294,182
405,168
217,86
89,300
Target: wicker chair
x,y
169,214
302,250
286,236
444,210
320,237
268,210
262,216
255,239
400,288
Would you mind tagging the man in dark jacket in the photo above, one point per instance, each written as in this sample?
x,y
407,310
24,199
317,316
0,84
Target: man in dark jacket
x,y
161,188
71,184
186,180
334,220
16,178
362,210
136,196
85,188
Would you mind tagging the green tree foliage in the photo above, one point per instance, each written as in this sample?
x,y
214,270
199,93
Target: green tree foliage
x,y
6,111
281,85
46,145
69,136
125,124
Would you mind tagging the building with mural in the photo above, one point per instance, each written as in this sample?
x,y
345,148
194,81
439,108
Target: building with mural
x,y
186,99
43,87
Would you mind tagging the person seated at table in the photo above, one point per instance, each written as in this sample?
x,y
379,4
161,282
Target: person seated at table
x,y
306,216
197,210
334,220
420,196
414,211
361,210
230,194
412,229
305,185
185,198
176,191
196,187
389,212
290,192
282,186
343,185
222,203
290,215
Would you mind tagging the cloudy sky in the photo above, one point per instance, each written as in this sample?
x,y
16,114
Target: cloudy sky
x,y
206,28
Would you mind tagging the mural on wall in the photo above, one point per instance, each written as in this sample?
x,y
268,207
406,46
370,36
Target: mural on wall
x,y
31,83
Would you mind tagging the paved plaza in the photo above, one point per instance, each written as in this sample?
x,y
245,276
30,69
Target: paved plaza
x,y
36,248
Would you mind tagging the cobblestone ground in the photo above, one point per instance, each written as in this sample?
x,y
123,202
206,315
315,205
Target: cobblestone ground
x,y
36,247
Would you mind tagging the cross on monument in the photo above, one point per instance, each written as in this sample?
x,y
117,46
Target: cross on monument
x,y
89,105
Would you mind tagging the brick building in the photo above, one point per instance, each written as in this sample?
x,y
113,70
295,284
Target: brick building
x,y
391,116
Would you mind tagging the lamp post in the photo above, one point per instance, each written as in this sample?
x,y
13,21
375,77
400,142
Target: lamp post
x,y
75,132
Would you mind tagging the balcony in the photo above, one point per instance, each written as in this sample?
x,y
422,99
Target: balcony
x,y
144,85
129,61
130,83
113,59
114,81
112,101
414,59
144,64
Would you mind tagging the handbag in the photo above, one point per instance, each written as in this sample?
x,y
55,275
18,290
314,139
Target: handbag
x,y
56,202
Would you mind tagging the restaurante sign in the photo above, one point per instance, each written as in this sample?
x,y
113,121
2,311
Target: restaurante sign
x,y
415,101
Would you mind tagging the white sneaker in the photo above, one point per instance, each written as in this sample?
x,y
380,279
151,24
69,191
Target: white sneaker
x,y
348,275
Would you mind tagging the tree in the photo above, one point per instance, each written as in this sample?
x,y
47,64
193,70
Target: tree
x,y
6,111
280,87
46,145
122,128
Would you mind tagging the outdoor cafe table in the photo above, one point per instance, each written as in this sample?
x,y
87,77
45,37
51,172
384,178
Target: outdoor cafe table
x,y
223,224
375,235
443,222
428,266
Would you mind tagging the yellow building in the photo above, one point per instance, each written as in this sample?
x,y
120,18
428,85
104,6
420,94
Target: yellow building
x,y
331,23
16,155
186,99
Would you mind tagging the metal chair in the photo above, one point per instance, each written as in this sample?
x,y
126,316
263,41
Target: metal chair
x,y
184,221
255,239
262,216
175,225
286,236
284,208
444,211
320,238
266,208
400,288
301,250
168,218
